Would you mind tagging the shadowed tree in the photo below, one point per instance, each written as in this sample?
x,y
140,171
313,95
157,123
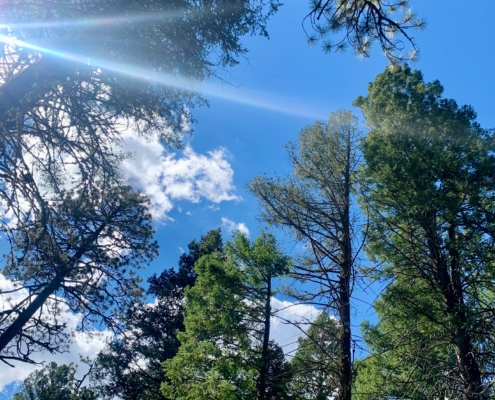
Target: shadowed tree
x,y
80,259
130,366
104,55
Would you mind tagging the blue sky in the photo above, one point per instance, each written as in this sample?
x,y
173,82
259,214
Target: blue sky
x,y
283,85
457,48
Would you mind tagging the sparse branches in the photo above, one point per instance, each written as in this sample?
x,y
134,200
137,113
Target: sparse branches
x,y
315,205
360,23
81,260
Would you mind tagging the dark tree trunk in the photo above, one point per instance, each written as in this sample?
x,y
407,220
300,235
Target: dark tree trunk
x,y
51,287
449,276
266,341
28,312
466,360
345,376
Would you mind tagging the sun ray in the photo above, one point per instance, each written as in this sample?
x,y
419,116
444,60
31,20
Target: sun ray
x,y
92,22
294,107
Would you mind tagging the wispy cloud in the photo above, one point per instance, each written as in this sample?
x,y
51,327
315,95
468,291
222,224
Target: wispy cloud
x,y
231,226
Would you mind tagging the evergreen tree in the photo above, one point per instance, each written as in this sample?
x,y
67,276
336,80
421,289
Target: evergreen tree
x,y
130,366
408,358
80,257
364,22
225,351
313,366
54,382
430,195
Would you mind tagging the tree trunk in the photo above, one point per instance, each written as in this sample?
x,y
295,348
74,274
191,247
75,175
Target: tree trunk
x,y
345,340
466,360
265,346
28,312
49,289
345,376
449,276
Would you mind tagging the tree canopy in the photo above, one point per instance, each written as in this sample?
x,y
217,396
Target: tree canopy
x,y
110,50
54,382
130,366
429,191
225,350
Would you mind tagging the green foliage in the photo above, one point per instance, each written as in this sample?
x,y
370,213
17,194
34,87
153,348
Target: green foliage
x,y
315,375
151,331
279,374
221,352
408,353
53,382
430,196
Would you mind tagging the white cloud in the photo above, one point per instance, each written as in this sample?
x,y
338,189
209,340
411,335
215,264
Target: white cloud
x,y
166,178
86,345
230,226
291,321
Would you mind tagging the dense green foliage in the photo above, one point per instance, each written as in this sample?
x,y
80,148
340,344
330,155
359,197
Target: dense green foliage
x,y
130,366
430,195
225,351
54,382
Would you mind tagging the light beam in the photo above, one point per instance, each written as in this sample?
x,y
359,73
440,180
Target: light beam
x,y
262,100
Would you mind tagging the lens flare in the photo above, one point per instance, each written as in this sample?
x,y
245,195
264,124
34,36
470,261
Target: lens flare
x,y
92,22
262,100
